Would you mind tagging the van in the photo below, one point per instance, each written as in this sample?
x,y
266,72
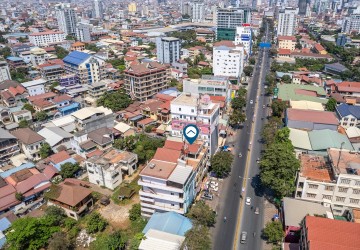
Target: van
x,y
243,237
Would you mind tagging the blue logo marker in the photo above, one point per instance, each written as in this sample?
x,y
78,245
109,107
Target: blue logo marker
x,y
191,132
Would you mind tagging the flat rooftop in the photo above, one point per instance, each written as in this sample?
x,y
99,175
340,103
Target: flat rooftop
x,y
347,163
314,167
158,169
187,99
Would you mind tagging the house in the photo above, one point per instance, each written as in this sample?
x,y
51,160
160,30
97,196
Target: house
x,y
75,199
349,115
56,160
353,133
90,118
22,115
346,88
310,119
56,137
335,69
165,229
123,129
35,87
8,146
7,196
181,66
103,137
107,169
30,142
79,46
320,49
321,233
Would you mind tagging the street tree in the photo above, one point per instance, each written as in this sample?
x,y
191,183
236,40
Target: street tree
x,y
197,238
237,117
68,170
221,163
278,108
331,104
273,232
242,92
248,70
45,150
202,214
238,103
270,129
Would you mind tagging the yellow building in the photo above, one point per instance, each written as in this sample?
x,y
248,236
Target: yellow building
x,y
287,42
132,7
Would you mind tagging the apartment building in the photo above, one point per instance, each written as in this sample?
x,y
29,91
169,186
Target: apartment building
x,y
287,42
38,56
187,109
88,68
35,87
47,38
228,59
30,142
208,85
8,146
244,37
51,72
97,89
288,22
227,19
66,18
349,115
167,49
107,169
333,180
351,24
89,118
144,80
198,11
4,71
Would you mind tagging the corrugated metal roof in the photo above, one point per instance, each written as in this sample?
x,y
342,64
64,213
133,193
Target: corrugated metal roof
x,y
287,93
76,57
326,138
13,170
300,139
180,174
158,240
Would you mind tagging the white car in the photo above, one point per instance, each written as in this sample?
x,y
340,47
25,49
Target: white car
x,y
251,102
248,201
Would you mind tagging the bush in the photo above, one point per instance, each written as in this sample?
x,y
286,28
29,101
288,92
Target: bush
x,y
95,223
135,212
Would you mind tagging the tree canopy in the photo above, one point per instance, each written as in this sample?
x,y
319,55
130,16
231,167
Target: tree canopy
x,y
273,232
45,150
113,241
68,170
270,129
278,108
248,70
197,238
29,107
331,104
41,116
95,223
23,123
135,212
221,163
115,101
202,214
61,52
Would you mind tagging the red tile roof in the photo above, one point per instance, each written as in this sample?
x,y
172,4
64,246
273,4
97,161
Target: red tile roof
x,y
323,233
284,52
168,155
59,157
46,95
322,117
348,86
292,38
319,47
146,121
224,43
61,98
17,91
31,183
174,145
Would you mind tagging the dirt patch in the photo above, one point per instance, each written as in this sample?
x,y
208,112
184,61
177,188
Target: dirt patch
x,y
118,215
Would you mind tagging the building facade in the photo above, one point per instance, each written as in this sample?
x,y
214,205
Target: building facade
x,y
98,9
167,49
287,22
47,38
351,24
198,11
4,71
244,37
66,17
287,42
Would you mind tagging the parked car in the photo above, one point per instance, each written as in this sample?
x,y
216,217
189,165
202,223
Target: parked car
x,y
248,201
105,201
257,211
243,237
207,196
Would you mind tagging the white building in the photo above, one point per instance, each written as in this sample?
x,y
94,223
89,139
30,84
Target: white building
x,y
244,37
351,24
287,22
107,170
66,17
47,38
83,31
198,11
228,59
30,142
208,85
98,9
4,71
336,183
35,87
167,49
35,56
90,118
187,109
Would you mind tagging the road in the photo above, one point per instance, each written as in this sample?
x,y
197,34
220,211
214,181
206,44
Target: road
x,y
244,172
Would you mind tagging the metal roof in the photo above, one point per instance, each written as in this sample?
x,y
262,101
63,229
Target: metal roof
x,y
287,93
76,57
346,109
16,169
158,240
180,174
300,139
326,138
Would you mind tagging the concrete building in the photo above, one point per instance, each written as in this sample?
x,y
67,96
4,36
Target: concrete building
x,y
244,37
35,87
47,38
351,24
30,142
66,18
89,119
8,146
333,180
107,169
349,115
168,49
192,109
228,19
287,42
208,85
38,56
144,80
83,31
4,71
287,22
228,59
98,9
90,69
198,11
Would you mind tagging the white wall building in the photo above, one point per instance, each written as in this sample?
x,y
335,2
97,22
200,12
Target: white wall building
x,y
187,109
66,17
4,71
35,87
228,59
198,11
287,22
167,49
244,37
47,38
83,31
98,9
351,24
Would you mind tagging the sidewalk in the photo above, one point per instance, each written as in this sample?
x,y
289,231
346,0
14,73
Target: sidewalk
x,y
269,211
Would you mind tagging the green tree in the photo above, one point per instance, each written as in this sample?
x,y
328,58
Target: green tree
x,y
278,108
146,146
55,215
68,170
273,232
148,129
61,52
70,37
173,82
197,238
115,101
128,143
29,107
331,104
237,117
5,52
273,52
92,47
286,79
242,92
270,129
135,212
252,60
248,70
95,223
23,123
136,240
202,214
113,241
41,116
59,241
238,103
221,163
45,150
53,85
19,196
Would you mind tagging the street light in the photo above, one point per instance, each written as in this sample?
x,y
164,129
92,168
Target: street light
x,y
337,164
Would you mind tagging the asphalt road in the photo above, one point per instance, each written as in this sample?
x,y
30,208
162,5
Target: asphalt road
x,y
238,216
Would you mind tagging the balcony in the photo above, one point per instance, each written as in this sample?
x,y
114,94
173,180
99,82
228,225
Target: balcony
x,y
160,197
161,206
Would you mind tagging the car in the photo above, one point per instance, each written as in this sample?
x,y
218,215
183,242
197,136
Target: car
x,y
207,196
251,102
248,201
263,106
105,201
257,211
243,237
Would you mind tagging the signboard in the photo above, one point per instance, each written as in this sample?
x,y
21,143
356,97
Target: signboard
x,y
265,45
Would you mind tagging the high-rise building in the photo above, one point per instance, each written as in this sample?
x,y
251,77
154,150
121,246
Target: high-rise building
x,y
66,18
288,21
351,24
83,32
132,7
228,19
167,49
244,37
302,4
98,9
4,71
198,11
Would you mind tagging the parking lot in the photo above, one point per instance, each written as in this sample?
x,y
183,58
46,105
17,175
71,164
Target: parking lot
x,y
214,189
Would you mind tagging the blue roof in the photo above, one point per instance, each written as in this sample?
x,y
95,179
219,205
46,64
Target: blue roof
x,y
14,58
2,240
346,109
4,224
169,222
76,57
16,169
69,107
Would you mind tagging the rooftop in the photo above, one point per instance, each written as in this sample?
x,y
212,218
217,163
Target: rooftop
x,y
76,58
27,136
180,174
70,193
315,116
165,154
348,163
314,167
158,169
186,99
287,92
308,105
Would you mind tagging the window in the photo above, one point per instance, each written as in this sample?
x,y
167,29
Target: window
x,y
356,191
337,211
91,172
343,190
329,188
341,199
352,119
327,197
192,110
354,201
345,181
179,109
172,193
310,195
345,123
172,205
313,186
357,183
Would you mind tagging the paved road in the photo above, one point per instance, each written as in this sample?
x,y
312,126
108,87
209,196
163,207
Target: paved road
x,y
226,234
